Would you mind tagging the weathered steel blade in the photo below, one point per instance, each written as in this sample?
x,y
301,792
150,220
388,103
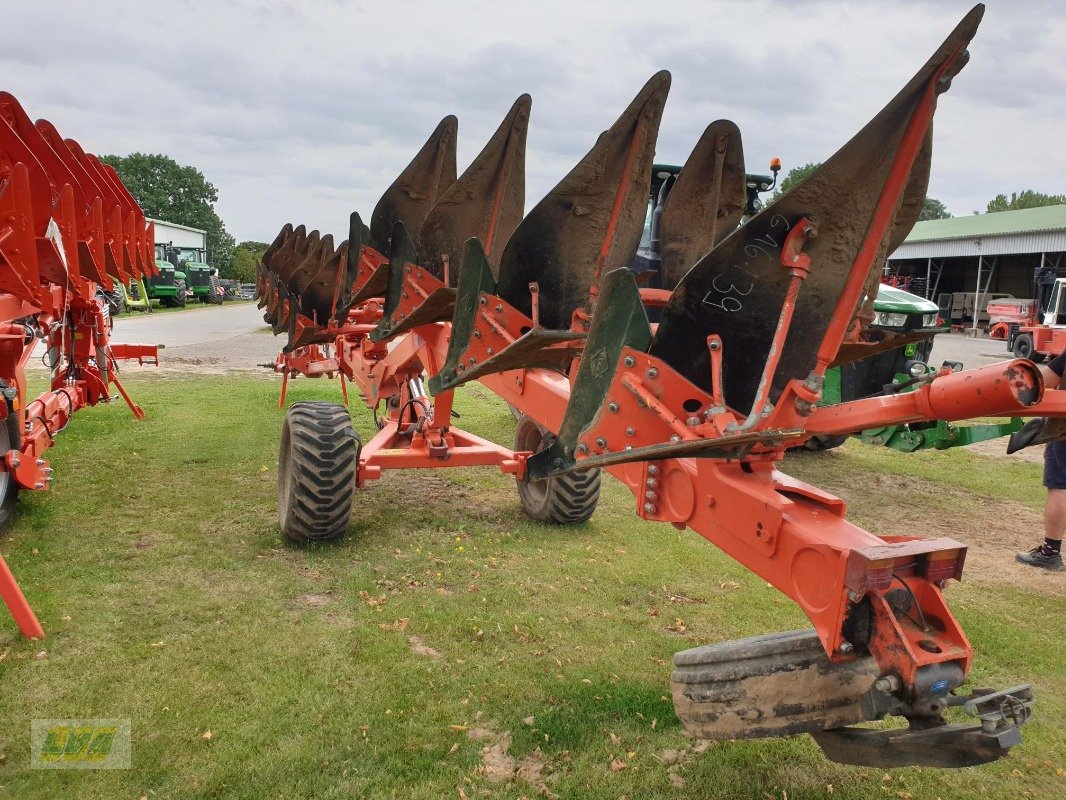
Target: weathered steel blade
x,y
311,264
412,195
738,289
620,321
590,223
486,202
475,278
401,254
706,202
279,240
290,253
358,238
541,348
320,293
438,307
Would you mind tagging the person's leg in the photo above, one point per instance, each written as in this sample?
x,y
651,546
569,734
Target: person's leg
x,y
1055,516
1049,554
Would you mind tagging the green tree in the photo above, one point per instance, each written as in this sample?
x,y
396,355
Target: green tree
x,y
795,176
168,191
934,209
245,257
1024,199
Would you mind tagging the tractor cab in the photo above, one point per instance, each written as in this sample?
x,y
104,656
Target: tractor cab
x,y
1051,295
648,258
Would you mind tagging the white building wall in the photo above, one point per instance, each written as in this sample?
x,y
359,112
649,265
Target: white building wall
x,y
179,235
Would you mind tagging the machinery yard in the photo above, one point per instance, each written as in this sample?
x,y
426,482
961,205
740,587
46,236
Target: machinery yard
x,y
604,471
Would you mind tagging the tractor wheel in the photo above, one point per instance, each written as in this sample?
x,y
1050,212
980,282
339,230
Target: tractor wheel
x,y
9,488
217,296
116,301
562,500
1023,348
179,300
818,444
316,472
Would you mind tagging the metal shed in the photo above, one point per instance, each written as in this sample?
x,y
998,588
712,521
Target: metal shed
x,y
963,262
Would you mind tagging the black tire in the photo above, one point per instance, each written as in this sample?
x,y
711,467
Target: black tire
x,y
818,444
116,301
217,296
179,300
562,500
1023,345
316,472
9,488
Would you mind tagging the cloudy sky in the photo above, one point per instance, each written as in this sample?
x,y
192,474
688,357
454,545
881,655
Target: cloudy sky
x,y
305,111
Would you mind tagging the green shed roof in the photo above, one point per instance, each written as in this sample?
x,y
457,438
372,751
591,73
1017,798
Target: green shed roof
x,y
1000,223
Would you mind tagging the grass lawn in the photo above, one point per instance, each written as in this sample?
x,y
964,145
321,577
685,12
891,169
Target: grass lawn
x,y
193,304
447,634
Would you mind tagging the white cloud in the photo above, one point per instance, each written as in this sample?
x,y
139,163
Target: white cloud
x,y
306,111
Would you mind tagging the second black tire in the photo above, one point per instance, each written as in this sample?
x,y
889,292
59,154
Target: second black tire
x,y
563,500
317,468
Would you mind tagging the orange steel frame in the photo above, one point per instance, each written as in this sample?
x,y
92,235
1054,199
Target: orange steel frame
x,y
66,224
790,533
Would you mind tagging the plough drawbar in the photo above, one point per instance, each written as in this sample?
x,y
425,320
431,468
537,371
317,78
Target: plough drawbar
x,y
693,413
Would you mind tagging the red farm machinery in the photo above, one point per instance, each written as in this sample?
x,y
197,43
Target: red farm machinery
x,y
451,283
67,224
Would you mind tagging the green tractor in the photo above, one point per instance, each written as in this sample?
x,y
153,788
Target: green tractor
x,y
203,282
199,279
168,287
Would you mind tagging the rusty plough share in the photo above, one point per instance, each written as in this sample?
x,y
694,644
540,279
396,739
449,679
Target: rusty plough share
x,y
692,414
66,225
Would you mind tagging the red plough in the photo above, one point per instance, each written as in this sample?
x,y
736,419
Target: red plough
x,y
693,413
66,225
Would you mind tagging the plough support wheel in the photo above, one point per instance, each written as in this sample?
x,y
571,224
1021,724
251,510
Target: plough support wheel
x,y
562,500
316,472
774,685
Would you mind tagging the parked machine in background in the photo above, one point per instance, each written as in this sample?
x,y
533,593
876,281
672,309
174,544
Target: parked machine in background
x,y
168,284
1039,332
181,254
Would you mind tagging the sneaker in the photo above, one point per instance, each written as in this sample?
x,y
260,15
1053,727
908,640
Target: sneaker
x,y
1038,558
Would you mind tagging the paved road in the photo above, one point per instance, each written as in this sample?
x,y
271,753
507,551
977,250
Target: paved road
x,y
207,339
234,336
971,352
